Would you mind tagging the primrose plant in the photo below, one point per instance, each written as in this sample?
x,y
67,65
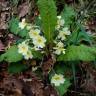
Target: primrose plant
x,y
52,38
37,41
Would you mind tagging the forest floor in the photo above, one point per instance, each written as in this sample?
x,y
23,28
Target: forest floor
x,y
20,84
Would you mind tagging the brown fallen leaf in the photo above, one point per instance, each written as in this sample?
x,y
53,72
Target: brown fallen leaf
x,y
2,48
3,21
89,83
11,87
2,0
23,9
50,91
34,84
4,14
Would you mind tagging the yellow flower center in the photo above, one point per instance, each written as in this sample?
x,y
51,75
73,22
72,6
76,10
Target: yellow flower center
x,y
24,48
57,78
39,40
35,33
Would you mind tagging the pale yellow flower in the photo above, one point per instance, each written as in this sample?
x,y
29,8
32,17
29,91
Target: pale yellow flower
x,y
39,42
34,33
23,48
60,22
22,24
28,55
58,17
62,33
66,31
59,48
57,79
60,44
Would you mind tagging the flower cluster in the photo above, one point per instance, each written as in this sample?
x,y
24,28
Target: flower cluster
x,y
62,33
60,22
62,30
57,79
37,40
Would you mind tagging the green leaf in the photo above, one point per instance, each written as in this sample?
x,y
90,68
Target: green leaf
x,y
68,14
75,53
14,28
38,21
62,68
83,35
16,68
62,89
79,36
23,33
48,15
37,54
11,55
13,25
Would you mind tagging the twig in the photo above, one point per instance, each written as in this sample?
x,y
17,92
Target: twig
x,y
80,93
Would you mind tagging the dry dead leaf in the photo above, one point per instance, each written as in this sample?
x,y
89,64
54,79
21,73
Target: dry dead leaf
x,y
50,91
36,86
89,83
4,14
2,47
23,9
11,87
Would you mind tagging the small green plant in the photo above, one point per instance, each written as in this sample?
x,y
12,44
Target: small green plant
x,y
57,37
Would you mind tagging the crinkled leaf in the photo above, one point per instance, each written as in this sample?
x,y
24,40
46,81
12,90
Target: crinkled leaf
x,y
11,55
16,67
68,14
23,33
78,37
13,25
82,52
62,68
14,28
83,35
48,15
